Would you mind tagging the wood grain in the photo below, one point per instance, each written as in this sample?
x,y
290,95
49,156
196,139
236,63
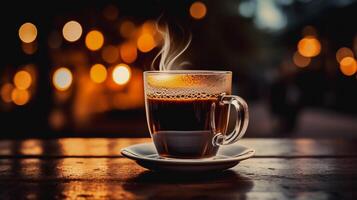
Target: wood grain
x,y
119,178
100,147
93,169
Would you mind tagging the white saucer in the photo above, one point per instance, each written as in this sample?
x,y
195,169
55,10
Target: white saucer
x,y
146,156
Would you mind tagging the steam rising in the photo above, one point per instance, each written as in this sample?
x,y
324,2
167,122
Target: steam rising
x,y
169,52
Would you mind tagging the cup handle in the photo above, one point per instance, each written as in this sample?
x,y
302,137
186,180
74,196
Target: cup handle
x,y
242,119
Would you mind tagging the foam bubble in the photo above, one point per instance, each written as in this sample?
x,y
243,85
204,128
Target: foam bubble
x,y
183,96
186,85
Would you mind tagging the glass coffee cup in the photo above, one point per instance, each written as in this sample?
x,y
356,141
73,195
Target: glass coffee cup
x,y
188,112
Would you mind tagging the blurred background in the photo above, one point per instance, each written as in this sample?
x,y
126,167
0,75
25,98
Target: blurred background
x,y
74,68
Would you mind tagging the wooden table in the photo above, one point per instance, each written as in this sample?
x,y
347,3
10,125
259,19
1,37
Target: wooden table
x,y
94,169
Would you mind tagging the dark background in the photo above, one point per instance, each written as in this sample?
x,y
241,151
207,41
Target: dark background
x,y
256,39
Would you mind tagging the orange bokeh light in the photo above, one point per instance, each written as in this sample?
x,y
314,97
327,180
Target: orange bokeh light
x,y
28,32
343,52
198,10
121,74
127,29
22,80
348,66
94,40
146,42
20,97
110,54
149,27
62,79
98,73
6,90
309,47
128,52
300,60
72,31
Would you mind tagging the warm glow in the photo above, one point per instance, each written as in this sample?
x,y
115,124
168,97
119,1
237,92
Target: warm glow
x,y
146,42
343,52
62,79
6,90
72,31
133,97
127,29
121,74
94,40
110,54
169,80
348,66
300,60
149,27
128,52
98,73
28,32
20,97
198,10
309,47
31,147
22,80
29,48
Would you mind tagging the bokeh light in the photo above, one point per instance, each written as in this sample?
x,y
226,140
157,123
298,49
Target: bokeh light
x,y
149,27
6,90
127,29
343,52
128,52
72,31
110,12
300,60
98,73
246,8
309,47
348,66
198,10
62,79
110,54
146,42
121,74
29,48
22,80
28,32
20,97
94,40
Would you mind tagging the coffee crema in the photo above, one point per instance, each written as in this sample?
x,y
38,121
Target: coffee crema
x,y
189,96
181,124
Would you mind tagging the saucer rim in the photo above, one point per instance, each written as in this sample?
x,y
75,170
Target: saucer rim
x,y
127,153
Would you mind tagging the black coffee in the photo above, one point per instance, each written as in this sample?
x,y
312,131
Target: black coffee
x,y
181,128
